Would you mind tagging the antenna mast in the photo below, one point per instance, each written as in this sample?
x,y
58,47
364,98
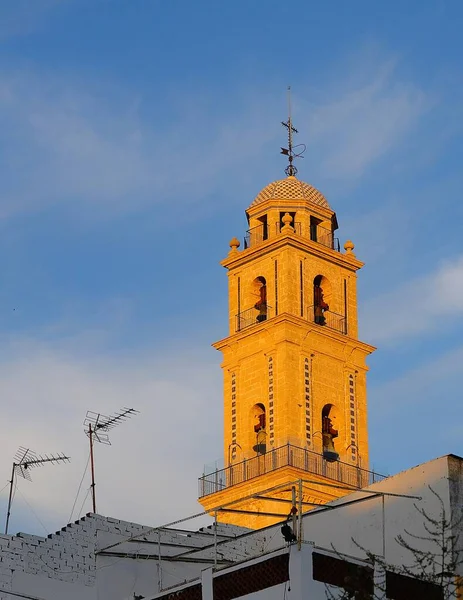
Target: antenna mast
x,y
96,428
25,460
291,151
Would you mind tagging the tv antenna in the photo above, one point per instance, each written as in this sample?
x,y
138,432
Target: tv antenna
x,y
291,151
25,460
97,427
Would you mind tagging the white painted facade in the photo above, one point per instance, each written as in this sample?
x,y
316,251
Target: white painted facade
x,y
101,558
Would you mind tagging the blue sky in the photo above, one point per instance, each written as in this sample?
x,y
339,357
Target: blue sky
x,y
133,136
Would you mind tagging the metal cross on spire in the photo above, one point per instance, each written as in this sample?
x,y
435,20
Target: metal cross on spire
x,y
290,152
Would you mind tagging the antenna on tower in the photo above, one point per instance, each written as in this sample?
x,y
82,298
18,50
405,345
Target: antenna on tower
x,y
97,427
25,460
291,151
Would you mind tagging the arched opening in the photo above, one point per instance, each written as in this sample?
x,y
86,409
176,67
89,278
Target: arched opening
x,y
259,425
329,433
321,295
260,291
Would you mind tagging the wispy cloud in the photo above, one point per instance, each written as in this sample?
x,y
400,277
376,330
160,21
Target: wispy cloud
x,y
423,409
367,118
419,306
150,472
67,140
66,144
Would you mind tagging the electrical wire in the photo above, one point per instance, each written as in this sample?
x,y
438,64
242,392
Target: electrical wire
x,y
4,487
85,500
33,511
79,488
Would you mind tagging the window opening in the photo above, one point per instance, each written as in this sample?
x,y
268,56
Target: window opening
x,y
264,222
261,304
320,306
260,429
313,228
328,434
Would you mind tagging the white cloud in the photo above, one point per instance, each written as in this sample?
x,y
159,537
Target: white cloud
x,y
75,141
150,472
416,416
424,304
364,121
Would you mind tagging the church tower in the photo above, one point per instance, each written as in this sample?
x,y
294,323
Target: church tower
x,y
295,403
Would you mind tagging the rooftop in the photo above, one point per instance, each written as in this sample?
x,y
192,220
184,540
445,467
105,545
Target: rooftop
x,y
290,188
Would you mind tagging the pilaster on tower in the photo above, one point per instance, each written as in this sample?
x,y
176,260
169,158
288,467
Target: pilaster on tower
x,y
295,405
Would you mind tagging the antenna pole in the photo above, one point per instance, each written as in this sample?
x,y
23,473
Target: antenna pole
x,y
10,498
92,463
96,426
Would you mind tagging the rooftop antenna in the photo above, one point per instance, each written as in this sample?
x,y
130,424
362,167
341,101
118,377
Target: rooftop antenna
x,y
25,460
291,151
96,428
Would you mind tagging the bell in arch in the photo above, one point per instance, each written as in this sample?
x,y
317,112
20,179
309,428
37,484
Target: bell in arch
x,y
328,434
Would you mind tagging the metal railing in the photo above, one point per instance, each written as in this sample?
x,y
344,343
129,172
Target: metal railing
x,y
255,236
296,226
253,316
327,319
325,238
286,456
322,235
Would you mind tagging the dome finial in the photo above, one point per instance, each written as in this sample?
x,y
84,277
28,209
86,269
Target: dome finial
x,y
290,150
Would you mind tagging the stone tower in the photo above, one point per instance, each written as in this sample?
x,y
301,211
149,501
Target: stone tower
x,y
295,403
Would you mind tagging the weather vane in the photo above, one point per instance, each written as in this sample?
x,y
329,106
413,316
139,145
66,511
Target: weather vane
x,y
291,151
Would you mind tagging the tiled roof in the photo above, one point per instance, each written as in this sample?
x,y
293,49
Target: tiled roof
x,y
290,189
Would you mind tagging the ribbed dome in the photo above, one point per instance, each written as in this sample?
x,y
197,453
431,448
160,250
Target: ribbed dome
x,y
290,189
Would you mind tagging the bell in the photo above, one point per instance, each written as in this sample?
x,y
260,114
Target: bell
x,y
260,448
329,452
330,456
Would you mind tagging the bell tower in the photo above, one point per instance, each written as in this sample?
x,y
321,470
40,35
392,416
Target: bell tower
x,y
295,403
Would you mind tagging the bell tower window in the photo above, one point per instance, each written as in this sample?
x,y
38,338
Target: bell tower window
x,y
260,285
260,423
264,227
329,433
319,301
314,223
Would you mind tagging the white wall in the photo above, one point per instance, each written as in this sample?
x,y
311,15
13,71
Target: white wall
x,y
67,565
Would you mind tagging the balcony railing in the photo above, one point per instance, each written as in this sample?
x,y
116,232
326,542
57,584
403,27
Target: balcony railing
x,y
327,319
253,316
255,236
325,237
286,456
296,226
320,235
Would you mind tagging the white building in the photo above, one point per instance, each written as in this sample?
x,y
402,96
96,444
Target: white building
x,y
101,558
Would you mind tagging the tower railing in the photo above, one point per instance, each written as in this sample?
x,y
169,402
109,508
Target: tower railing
x,y
253,316
260,233
286,456
297,228
327,318
325,238
255,236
